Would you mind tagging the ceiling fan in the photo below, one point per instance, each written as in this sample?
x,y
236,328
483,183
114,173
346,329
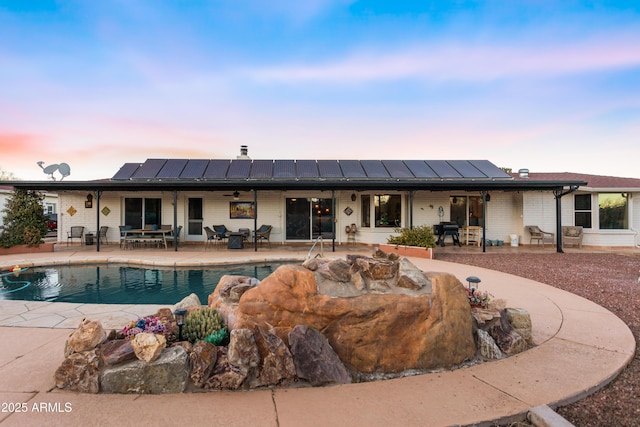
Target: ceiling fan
x,y
235,195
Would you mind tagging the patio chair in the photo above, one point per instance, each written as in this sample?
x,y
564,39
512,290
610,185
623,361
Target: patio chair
x,y
263,233
222,231
123,228
171,236
102,234
539,235
210,236
572,235
76,232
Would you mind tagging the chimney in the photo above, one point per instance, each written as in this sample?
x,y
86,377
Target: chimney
x,y
524,173
244,152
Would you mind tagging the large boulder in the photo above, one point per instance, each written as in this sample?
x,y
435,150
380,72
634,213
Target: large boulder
x,y
377,329
167,374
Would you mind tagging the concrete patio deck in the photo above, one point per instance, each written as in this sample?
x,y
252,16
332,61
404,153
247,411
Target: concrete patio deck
x,y
580,347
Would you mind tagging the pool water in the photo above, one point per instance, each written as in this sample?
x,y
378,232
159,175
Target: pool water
x,y
121,284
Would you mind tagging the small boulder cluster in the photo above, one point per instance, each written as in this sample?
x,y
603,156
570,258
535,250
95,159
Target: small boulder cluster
x,y
97,360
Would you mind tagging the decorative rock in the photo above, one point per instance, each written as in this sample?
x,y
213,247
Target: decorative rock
x,y
80,372
505,337
520,321
314,359
485,315
117,351
411,277
168,374
226,376
242,350
277,367
87,336
231,288
202,359
187,302
371,333
377,269
487,346
148,347
165,314
337,270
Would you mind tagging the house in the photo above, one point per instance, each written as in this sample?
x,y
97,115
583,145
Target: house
x,y
304,199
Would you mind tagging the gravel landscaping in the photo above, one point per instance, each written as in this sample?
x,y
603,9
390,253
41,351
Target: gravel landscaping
x,y
608,279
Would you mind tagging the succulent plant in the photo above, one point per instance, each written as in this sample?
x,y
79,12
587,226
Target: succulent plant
x,y
201,323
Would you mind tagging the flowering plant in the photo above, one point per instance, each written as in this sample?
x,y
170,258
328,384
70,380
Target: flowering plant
x,y
478,298
149,324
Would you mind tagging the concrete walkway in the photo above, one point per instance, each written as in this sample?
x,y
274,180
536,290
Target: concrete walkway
x,y
580,347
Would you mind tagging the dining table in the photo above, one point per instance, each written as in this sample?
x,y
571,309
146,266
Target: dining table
x,y
145,235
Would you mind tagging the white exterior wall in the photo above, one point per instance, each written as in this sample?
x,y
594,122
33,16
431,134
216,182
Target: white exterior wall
x,y
507,213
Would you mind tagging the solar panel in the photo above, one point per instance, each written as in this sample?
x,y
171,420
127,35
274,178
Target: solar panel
x,y
397,169
443,169
352,169
126,171
149,169
420,169
284,169
489,169
239,169
307,169
329,169
217,169
374,169
262,169
172,169
466,169
194,169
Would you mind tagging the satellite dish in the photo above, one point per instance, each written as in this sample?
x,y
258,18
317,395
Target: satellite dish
x,y
64,170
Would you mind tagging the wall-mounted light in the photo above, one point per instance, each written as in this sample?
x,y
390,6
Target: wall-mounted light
x,y
89,202
236,195
353,197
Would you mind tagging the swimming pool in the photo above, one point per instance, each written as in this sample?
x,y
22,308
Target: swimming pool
x,y
122,284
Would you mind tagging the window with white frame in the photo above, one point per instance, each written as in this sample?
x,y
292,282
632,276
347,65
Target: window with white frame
x,y
613,211
582,210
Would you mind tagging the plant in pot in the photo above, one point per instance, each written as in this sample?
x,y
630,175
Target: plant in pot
x,y
420,236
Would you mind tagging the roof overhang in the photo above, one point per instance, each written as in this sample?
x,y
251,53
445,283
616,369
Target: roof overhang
x,y
316,184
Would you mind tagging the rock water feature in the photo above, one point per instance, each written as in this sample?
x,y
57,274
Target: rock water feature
x,y
322,322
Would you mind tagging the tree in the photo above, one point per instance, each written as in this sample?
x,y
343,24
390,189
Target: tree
x,y
24,221
7,176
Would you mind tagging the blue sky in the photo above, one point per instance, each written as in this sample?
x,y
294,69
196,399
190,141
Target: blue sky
x,y
551,86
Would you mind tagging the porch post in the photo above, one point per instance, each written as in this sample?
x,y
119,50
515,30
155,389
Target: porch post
x,y
175,220
411,209
484,221
98,194
255,220
333,221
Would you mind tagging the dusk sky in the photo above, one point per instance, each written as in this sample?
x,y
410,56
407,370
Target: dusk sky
x,y
552,86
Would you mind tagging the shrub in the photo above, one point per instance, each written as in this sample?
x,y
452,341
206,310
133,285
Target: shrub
x,y
24,221
421,236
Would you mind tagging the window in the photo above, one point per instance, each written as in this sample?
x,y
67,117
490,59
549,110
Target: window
x,y
613,211
582,208
388,210
137,209
466,210
365,201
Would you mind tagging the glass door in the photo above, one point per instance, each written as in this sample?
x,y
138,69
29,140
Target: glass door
x,y
194,226
307,218
298,219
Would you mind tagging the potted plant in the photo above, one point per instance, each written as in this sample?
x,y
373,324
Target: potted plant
x,y
418,241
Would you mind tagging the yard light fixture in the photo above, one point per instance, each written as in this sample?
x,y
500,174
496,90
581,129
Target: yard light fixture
x,y
474,283
180,315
